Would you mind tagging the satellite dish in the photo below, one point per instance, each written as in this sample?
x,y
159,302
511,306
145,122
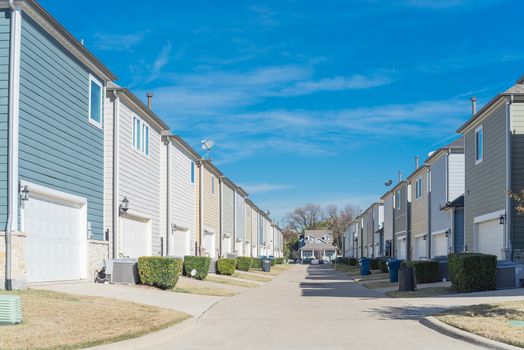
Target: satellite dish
x,y
388,183
207,144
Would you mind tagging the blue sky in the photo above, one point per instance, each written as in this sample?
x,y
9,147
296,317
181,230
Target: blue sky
x,y
308,101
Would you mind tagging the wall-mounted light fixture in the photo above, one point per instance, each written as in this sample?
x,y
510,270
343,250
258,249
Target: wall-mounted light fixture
x,y
24,193
448,231
502,219
124,206
425,237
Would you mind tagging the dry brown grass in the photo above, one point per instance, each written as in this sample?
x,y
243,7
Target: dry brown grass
x,y
54,320
191,286
421,293
489,321
231,281
379,284
253,276
375,276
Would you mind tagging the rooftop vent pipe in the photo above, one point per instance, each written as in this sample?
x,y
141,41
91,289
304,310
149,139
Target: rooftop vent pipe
x,y
473,105
149,100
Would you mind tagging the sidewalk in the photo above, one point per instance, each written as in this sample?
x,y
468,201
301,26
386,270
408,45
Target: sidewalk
x,y
192,304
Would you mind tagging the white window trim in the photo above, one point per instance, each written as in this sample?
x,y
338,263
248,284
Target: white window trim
x,y
477,130
143,125
102,94
192,172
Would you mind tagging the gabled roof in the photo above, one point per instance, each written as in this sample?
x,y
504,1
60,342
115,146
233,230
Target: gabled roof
x,y
417,171
456,146
318,233
398,185
318,246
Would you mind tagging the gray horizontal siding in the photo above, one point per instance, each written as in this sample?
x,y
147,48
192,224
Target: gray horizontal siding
x,y
440,219
485,182
517,169
59,148
388,217
4,85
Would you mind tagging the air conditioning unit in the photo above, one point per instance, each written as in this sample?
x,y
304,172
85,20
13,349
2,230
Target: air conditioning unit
x,y
10,309
123,271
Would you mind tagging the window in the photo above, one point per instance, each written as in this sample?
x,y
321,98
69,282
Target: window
x,y
418,188
213,184
95,102
140,136
398,199
479,145
192,172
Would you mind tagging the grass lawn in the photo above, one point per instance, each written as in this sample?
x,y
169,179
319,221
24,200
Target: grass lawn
x,y
375,276
258,277
191,286
421,293
379,284
54,320
231,281
489,320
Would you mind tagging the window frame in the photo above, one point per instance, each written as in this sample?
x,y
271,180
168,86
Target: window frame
x,y
479,130
398,199
212,184
140,136
191,172
92,121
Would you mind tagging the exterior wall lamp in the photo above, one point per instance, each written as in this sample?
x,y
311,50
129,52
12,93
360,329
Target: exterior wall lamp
x,y
448,231
502,219
24,193
425,237
124,206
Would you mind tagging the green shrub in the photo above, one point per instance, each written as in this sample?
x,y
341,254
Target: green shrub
x,y
226,266
472,272
279,261
161,272
383,266
273,262
353,261
244,263
425,271
374,263
257,264
198,263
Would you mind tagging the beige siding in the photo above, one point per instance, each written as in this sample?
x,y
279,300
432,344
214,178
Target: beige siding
x,y
419,212
249,231
198,227
485,183
211,205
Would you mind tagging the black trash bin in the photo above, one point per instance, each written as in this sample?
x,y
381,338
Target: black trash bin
x,y
266,265
407,281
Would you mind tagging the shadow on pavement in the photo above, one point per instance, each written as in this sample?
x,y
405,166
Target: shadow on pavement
x,y
406,312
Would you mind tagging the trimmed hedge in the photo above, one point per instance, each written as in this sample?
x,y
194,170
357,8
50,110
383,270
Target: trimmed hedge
x,y
226,266
383,266
472,272
244,263
279,261
161,272
425,271
198,263
257,264
273,262
353,261
374,264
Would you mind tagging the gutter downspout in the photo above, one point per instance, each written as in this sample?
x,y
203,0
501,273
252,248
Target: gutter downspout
x,y
12,161
116,155
169,228
221,224
509,211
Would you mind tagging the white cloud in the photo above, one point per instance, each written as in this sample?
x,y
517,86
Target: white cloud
x,y
338,83
118,42
264,16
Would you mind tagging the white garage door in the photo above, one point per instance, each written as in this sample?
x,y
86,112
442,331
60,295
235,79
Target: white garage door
x,y
135,237
490,238
401,249
209,244
180,243
420,248
440,245
56,243
238,248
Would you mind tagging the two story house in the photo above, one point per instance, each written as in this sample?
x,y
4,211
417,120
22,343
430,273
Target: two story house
x,y
318,244
388,200
401,220
419,182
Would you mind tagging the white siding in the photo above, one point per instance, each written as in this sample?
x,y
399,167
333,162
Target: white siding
x,y
240,217
456,175
440,219
254,233
388,217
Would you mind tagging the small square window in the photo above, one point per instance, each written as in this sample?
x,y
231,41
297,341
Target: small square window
x,y
95,102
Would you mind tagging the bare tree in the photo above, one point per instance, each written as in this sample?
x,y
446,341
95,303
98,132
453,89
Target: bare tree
x,y
308,217
339,220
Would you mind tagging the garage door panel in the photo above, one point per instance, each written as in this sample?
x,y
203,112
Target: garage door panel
x,y
440,244
54,240
490,238
135,237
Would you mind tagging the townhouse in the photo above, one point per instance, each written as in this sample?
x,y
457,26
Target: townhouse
x,y
447,199
387,229
377,225
180,185
209,211
252,209
493,161
419,237
240,220
248,227
401,220
52,131
227,216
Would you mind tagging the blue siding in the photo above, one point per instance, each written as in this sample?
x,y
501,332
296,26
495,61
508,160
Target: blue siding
x,y
4,86
459,230
59,148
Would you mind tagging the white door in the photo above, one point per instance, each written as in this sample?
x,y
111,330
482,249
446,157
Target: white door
x,y
401,249
420,248
238,248
440,245
135,237
56,240
180,243
490,238
209,244
226,245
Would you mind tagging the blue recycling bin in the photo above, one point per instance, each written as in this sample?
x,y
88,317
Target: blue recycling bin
x,y
364,266
393,267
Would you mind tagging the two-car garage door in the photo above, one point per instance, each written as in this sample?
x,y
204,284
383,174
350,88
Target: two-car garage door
x,y
56,241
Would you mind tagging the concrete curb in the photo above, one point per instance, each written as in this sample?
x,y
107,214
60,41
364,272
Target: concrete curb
x,y
453,332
